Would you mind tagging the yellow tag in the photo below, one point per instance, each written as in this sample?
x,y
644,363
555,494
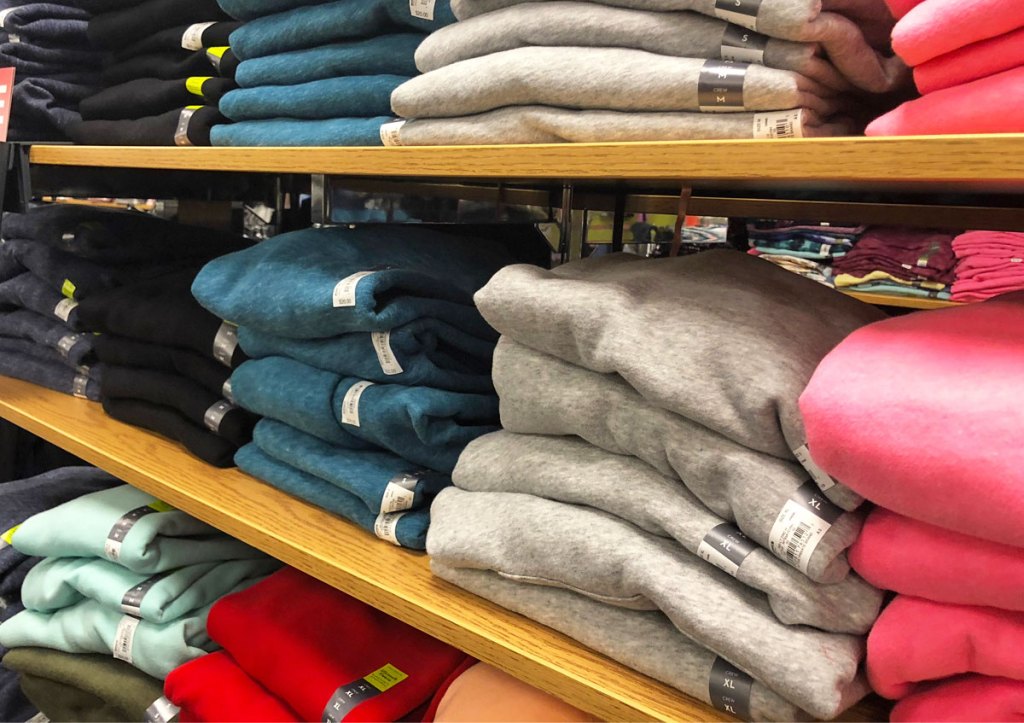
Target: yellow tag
x,y
218,52
160,506
194,85
68,289
387,677
194,107
8,536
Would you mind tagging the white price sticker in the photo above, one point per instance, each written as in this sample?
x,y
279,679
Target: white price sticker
x,y
125,637
382,345
391,133
64,308
779,124
822,478
801,525
345,290
192,38
386,526
350,404
423,9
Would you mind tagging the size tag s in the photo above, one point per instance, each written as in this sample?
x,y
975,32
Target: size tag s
x,y
382,345
64,308
125,638
741,12
725,547
779,124
352,694
192,38
131,601
729,689
422,9
742,45
801,525
391,133
821,477
386,526
400,493
345,290
121,528
161,711
720,86
350,404
215,415
225,343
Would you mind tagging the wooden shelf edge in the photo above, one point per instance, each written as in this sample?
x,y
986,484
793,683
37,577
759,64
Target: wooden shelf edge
x,y
905,302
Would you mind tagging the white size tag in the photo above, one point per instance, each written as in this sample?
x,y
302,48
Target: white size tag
x,y
125,637
801,525
12,38
4,13
38,718
225,343
227,391
399,494
64,308
79,386
422,9
192,38
345,290
822,478
161,711
391,133
112,549
386,526
350,404
779,124
382,345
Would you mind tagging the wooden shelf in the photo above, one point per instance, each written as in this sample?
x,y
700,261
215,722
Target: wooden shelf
x,y
982,162
395,581
905,302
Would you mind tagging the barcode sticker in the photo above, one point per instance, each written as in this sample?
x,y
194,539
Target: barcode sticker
x,y
382,345
391,133
350,404
725,547
125,637
192,38
386,526
820,476
423,9
64,308
779,124
741,12
400,493
742,45
345,290
801,525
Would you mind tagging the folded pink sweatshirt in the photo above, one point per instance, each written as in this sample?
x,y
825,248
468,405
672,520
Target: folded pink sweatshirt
x,y
937,27
974,61
994,104
964,699
914,558
916,640
899,8
923,414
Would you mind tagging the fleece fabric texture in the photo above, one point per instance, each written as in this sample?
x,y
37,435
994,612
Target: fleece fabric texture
x,y
595,78
89,688
533,540
426,352
157,542
917,640
917,363
149,97
392,53
111,30
215,688
574,472
936,27
964,699
320,24
582,24
44,108
48,24
429,427
413,273
972,62
29,362
166,65
408,528
60,582
914,558
90,627
118,351
543,124
544,395
158,130
74,348
741,379
320,636
27,291
343,97
286,132
644,640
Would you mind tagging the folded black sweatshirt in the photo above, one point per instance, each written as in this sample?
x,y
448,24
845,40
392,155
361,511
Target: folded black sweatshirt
x,y
204,444
115,29
149,97
185,127
120,351
191,37
166,65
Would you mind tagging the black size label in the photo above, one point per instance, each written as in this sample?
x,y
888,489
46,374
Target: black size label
x,y
729,688
725,547
741,12
742,45
809,495
720,86
131,601
349,696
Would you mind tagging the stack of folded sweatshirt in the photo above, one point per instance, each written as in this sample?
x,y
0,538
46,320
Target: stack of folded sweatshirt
x,y
944,463
296,649
45,43
898,261
560,70
321,72
20,500
169,66
805,249
127,576
372,367
989,263
968,61
651,436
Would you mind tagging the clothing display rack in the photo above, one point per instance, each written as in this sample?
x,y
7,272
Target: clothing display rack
x,y
956,181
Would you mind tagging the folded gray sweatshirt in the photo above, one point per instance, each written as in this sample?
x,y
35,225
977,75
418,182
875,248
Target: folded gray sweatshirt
x,y
719,337
542,124
802,20
605,79
644,641
567,23
544,395
533,540
567,469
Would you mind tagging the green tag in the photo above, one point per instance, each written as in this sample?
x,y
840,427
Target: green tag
x,y
194,85
68,289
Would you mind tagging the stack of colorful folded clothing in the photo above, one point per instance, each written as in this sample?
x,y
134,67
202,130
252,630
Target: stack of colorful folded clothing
x,y
805,249
321,72
533,72
968,60
898,261
159,87
946,535
989,263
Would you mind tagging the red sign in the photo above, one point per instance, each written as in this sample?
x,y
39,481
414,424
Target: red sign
x,y
6,89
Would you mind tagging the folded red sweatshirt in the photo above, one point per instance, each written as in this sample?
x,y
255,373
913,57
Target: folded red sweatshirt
x,y
213,688
914,558
916,640
974,61
936,27
994,104
322,651
899,8
923,414
965,699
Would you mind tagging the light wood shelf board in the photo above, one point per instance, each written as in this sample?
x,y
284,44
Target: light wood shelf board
x,y
390,579
905,302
